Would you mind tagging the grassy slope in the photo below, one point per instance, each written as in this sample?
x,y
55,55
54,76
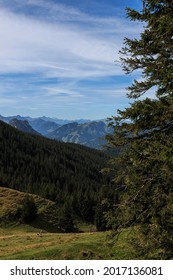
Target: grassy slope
x,y
23,243
11,199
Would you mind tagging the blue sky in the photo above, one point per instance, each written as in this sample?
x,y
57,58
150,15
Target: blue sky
x,y
57,57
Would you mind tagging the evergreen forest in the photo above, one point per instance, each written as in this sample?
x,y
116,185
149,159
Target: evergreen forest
x,y
67,174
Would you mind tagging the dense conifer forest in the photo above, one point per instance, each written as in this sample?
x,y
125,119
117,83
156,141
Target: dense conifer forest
x,y
68,174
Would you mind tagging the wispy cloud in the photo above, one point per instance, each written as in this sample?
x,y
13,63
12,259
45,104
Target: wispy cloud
x,y
48,48
32,44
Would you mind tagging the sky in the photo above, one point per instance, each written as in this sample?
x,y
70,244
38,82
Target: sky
x,y
60,58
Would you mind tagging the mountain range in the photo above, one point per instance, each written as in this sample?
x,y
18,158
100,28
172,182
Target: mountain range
x,y
85,132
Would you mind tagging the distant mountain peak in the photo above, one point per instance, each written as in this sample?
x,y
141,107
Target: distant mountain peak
x,y
23,125
91,134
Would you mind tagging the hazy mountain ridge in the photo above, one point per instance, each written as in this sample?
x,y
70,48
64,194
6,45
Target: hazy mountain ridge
x,y
85,132
42,126
90,134
44,118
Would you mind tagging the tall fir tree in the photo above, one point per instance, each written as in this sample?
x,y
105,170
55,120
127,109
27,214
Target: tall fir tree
x,y
144,132
66,220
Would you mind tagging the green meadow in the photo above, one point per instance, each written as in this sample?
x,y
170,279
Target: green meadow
x,y
22,242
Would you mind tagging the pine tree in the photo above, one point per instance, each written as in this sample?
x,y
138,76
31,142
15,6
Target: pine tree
x,y
28,210
144,132
66,220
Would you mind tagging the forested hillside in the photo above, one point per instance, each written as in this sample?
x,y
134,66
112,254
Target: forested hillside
x,y
65,173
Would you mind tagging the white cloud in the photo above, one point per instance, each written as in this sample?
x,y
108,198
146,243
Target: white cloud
x,y
61,91
59,49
